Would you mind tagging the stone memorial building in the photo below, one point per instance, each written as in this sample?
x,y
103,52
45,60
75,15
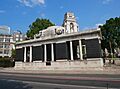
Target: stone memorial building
x,y
61,48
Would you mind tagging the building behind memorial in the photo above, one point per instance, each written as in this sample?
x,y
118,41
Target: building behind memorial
x,y
18,36
7,40
61,47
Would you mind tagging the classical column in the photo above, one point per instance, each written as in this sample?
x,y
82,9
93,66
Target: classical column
x,y
80,46
71,50
3,51
52,53
30,53
25,54
45,53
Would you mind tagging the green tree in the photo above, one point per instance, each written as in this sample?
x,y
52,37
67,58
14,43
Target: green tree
x,y
111,34
38,25
13,53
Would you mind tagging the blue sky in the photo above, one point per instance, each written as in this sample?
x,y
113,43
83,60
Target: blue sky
x,y
19,14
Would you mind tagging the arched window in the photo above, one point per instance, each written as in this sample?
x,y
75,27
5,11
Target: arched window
x,y
71,27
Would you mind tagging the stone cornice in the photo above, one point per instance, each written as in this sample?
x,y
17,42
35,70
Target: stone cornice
x,y
64,37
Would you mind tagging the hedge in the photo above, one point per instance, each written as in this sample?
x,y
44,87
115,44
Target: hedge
x,y
6,62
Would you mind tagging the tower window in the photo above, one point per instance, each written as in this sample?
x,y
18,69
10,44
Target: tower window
x,y
71,27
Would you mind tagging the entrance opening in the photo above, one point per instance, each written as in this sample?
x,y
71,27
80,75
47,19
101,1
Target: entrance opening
x,y
68,49
27,54
54,47
76,50
48,63
84,49
48,52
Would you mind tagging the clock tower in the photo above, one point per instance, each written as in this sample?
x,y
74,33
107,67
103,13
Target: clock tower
x,y
70,23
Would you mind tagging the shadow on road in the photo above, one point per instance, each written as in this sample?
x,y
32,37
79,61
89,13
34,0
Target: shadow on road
x,y
9,84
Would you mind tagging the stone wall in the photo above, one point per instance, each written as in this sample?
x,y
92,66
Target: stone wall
x,y
60,65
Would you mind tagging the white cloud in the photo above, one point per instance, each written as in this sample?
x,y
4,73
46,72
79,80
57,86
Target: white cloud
x,y
106,1
31,3
2,11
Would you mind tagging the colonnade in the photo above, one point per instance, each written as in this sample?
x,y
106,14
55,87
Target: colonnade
x,y
52,52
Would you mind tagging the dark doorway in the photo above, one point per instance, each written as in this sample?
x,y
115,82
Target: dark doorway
x,y
48,49
38,53
27,54
20,55
61,51
76,50
54,47
68,50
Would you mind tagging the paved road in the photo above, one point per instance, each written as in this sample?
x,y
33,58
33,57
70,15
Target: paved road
x,y
58,81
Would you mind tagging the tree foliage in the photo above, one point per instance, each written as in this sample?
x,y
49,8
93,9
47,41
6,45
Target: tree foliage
x,y
38,25
111,34
13,53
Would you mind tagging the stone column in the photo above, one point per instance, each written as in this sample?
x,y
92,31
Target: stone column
x,y
25,54
52,53
71,51
45,53
3,50
80,46
30,53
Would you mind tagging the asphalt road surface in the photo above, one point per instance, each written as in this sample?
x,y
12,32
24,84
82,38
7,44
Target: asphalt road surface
x,y
58,81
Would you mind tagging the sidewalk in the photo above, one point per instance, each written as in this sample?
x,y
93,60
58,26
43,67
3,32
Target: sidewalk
x,y
111,69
